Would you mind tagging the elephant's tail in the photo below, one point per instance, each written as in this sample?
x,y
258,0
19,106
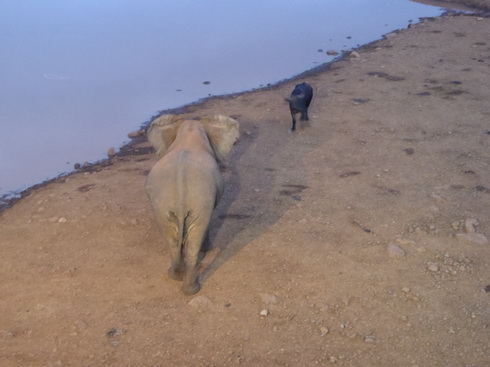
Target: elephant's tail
x,y
179,222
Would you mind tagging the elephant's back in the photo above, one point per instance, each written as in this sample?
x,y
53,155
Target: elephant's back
x,y
185,179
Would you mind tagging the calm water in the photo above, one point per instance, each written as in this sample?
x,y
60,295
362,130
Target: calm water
x,y
78,75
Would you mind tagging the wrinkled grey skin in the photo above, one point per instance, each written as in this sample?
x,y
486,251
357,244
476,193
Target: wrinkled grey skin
x,y
299,101
185,185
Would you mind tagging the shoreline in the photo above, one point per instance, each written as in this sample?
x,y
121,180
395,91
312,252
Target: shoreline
x,y
482,6
10,199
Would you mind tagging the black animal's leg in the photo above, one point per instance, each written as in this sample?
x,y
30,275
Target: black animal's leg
x,y
293,128
304,115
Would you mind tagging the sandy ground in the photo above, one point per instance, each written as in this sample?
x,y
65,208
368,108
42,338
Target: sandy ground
x,y
359,240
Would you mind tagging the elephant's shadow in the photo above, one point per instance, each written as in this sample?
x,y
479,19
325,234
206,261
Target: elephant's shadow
x,y
254,197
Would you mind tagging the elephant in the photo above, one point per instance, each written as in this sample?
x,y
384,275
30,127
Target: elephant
x,y
299,101
185,185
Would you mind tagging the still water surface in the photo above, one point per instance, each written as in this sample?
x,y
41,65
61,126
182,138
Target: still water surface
x,y
78,75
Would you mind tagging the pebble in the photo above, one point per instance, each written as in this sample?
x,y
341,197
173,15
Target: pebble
x,y
6,334
395,250
433,267
324,331
478,238
111,152
369,338
264,313
200,301
469,225
116,332
405,242
135,134
354,55
332,53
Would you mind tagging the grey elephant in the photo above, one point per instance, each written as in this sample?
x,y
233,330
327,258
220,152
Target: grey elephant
x,y
185,185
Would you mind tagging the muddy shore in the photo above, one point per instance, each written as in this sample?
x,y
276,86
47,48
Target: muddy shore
x,y
362,239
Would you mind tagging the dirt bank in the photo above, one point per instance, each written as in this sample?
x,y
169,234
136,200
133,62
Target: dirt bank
x,y
483,5
362,238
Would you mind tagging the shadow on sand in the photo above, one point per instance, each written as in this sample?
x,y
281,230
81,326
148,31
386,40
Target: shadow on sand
x,y
264,178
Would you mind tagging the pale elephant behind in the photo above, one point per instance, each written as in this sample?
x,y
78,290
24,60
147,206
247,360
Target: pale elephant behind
x,y
185,185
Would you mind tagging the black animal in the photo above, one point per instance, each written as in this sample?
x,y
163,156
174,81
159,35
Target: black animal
x,y
299,101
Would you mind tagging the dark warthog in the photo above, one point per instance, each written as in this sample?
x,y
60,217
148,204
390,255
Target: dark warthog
x,y
299,101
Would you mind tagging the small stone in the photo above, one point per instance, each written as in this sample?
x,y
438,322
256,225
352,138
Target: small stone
x,y
406,289
405,242
116,332
111,152
62,220
369,338
136,134
6,334
433,267
200,302
332,359
53,219
264,313
478,238
324,331
395,251
354,55
469,225
332,53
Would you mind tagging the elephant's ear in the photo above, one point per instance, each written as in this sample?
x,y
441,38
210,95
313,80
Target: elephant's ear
x,y
163,131
222,132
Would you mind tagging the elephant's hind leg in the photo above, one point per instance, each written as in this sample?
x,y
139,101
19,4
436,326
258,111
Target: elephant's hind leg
x,y
174,241
192,245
